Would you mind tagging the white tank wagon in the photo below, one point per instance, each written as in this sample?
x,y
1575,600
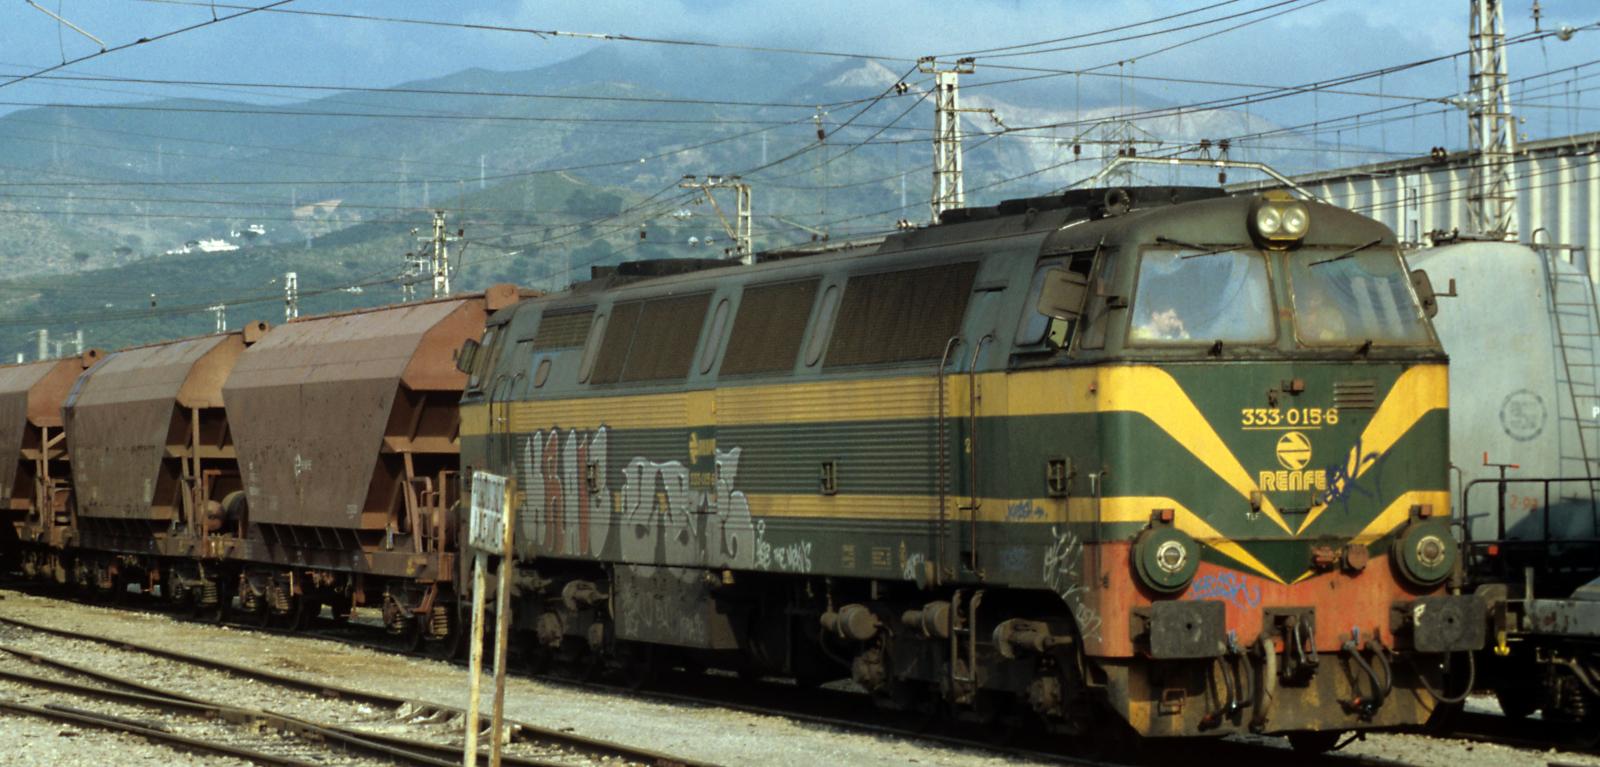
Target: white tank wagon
x,y
1523,339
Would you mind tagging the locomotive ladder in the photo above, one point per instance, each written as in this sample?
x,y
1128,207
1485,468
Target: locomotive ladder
x,y
1577,325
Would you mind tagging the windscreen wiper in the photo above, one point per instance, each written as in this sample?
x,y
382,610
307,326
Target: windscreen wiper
x,y
1192,246
1348,253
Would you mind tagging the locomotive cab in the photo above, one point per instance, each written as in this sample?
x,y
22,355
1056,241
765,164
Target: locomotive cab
x,y
1262,409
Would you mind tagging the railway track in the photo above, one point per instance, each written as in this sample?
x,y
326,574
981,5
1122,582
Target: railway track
x,y
408,750
840,709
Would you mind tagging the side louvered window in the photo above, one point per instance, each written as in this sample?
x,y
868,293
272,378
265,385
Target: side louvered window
x,y
563,329
663,344
768,328
903,316
614,348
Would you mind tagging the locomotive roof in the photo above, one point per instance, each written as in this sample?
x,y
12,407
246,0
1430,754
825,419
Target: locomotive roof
x,y
1010,217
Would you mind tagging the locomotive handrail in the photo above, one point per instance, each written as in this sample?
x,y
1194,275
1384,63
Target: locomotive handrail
x,y
493,389
1544,540
944,450
972,442
511,392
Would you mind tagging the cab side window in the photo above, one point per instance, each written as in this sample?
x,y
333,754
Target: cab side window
x,y
1037,328
488,355
1102,301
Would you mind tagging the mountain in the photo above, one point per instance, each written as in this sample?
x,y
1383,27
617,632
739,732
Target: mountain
x,y
548,171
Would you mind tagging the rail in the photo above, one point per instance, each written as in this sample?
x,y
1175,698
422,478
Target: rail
x,y
521,731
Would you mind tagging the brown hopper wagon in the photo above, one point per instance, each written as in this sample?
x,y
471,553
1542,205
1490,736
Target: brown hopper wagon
x,y
347,434
152,457
39,474
294,467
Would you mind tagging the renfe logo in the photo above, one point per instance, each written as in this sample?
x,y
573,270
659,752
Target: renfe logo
x,y
1294,452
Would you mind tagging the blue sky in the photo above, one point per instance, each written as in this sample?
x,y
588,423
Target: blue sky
x,y
1310,40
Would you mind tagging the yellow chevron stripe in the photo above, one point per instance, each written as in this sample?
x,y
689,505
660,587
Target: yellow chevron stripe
x,y
1419,391
1153,393
1398,513
1137,509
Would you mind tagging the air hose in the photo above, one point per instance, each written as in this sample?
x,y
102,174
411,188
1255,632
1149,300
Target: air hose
x,y
1438,695
1380,687
1268,691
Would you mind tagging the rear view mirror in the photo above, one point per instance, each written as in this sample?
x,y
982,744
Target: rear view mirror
x,y
1425,294
467,355
1062,295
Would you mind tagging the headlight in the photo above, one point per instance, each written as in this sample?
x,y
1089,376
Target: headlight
x,y
1425,552
1268,219
1296,220
1166,558
1279,221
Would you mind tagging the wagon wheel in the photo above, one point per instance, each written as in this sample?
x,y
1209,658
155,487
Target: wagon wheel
x,y
1006,729
1517,702
452,645
299,615
537,658
929,715
416,636
203,613
339,607
262,617
119,589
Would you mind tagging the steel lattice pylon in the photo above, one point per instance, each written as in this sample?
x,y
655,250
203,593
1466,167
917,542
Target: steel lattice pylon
x,y
1493,201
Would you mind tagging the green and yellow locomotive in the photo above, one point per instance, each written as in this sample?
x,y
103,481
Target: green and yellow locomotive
x,y
1151,451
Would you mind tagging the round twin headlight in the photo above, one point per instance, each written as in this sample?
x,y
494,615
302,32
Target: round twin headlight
x,y
1425,552
1166,558
1278,220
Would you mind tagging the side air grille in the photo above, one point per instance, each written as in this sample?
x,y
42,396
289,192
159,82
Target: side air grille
x,y
1355,395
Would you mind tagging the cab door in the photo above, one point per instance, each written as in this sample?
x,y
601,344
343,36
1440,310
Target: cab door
x,y
979,349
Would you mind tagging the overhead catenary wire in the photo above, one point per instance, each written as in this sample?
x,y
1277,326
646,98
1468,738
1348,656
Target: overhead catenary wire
x,y
859,144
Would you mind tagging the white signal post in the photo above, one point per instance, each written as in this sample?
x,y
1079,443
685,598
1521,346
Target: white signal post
x,y
948,191
491,532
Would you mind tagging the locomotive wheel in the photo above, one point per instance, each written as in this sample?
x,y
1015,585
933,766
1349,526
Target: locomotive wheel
x,y
635,664
1314,741
1108,738
536,658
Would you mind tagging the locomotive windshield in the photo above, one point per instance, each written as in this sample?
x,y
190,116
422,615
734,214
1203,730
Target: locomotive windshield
x,y
1201,296
1346,297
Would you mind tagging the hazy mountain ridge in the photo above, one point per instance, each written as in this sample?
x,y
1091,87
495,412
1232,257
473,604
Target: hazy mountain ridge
x,y
381,161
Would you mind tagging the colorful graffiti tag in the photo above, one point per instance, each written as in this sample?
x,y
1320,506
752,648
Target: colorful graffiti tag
x,y
664,513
